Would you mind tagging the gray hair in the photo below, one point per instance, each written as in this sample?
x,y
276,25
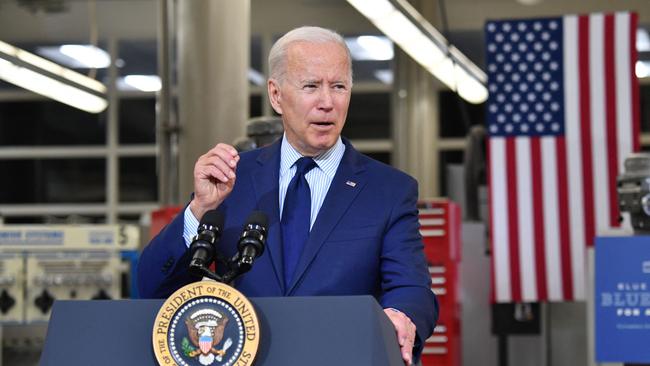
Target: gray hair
x,y
278,53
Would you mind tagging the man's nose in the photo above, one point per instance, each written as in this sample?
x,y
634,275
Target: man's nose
x,y
325,101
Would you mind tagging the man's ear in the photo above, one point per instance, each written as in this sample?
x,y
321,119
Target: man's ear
x,y
275,95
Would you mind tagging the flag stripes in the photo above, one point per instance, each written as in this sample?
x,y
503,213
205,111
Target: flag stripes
x,y
560,128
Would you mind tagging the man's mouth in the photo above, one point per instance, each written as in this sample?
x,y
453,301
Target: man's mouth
x,y
324,124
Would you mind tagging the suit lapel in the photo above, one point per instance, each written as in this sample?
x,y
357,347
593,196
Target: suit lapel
x,y
346,185
265,183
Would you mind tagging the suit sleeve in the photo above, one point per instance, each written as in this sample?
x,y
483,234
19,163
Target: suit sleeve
x,y
406,283
164,262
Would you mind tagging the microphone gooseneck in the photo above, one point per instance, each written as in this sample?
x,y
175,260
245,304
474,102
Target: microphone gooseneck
x,y
250,246
252,240
203,244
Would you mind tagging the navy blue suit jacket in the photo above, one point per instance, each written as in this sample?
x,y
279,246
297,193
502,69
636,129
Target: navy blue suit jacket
x,y
365,239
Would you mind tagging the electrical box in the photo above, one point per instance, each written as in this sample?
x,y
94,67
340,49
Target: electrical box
x,y
74,275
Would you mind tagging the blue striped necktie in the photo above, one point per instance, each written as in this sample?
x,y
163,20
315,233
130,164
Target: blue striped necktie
x,y
296,214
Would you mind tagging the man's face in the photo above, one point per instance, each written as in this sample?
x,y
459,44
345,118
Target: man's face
x,y
314,96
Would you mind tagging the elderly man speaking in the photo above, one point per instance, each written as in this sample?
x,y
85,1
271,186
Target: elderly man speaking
x,y
340,223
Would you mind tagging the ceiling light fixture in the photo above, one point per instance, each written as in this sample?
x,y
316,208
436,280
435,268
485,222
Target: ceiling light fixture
x,y
529,2
256,77
370,48
385,76
145,83
44,77
400,22
77,56
89,56
642,69
642,40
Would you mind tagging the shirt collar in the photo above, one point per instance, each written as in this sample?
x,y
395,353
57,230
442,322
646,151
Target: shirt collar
x,y
328,161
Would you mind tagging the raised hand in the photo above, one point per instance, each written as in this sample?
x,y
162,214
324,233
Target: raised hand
x,y
214,178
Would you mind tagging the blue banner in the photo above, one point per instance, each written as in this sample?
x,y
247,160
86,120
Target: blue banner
x,y
623,299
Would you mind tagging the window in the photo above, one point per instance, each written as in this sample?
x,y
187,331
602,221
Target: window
x,y
137,120
53,181
369,116
47,123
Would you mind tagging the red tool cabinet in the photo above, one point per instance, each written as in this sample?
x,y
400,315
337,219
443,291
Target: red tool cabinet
x,y
440,226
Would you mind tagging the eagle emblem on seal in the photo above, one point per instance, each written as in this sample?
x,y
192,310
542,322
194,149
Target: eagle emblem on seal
x,y
205,328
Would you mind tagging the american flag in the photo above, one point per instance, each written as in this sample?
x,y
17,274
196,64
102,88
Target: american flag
x,y
563,114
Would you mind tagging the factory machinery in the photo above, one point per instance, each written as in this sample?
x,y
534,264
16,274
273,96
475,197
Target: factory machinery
x,y
40,264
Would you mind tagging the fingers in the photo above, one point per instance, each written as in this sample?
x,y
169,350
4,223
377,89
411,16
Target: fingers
x,y
214,178
405,330
407,340
228,153
219,163
213,167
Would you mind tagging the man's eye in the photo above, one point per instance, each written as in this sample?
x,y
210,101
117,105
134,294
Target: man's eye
x,y
309,86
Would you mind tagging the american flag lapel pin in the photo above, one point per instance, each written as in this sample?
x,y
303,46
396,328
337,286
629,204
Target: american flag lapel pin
x,y
351,183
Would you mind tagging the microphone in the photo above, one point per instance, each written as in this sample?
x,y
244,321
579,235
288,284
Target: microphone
x,y
203,244
252,240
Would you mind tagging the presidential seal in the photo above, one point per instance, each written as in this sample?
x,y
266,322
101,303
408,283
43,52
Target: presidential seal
x,y
206,323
